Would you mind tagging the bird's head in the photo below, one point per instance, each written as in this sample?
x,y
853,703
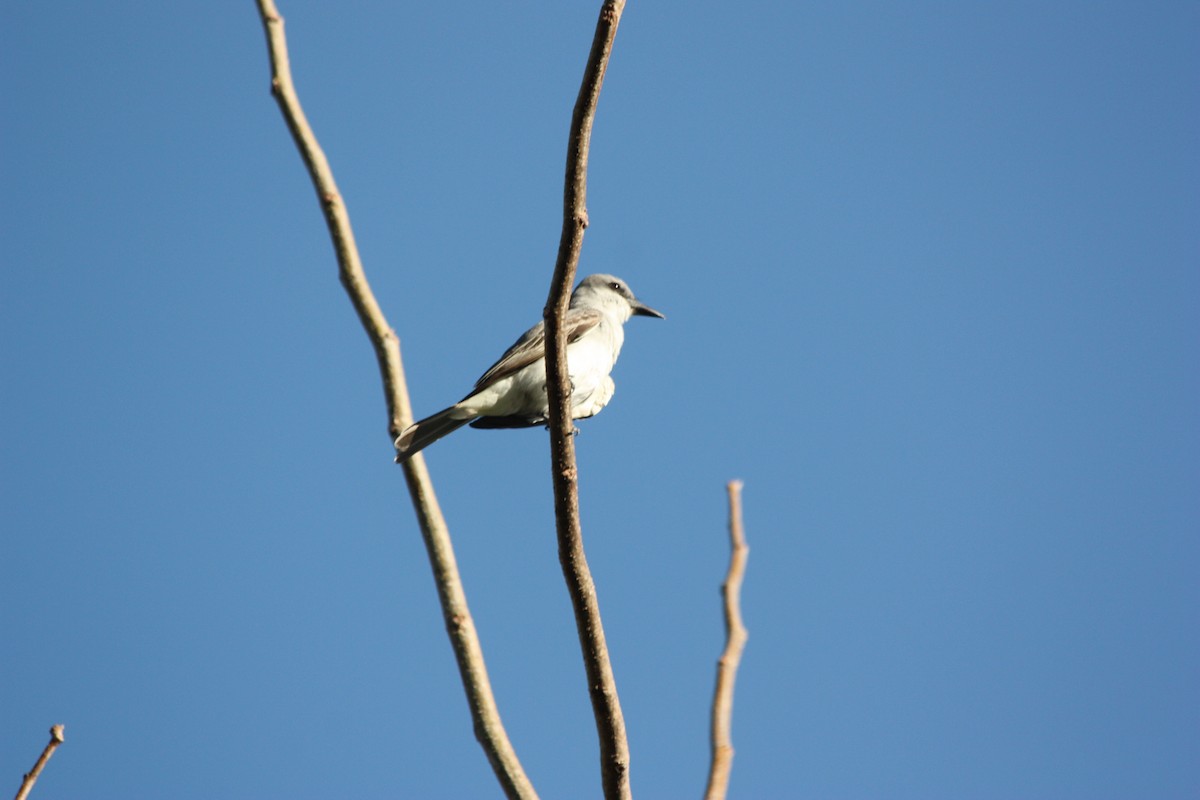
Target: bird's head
x,y
611,294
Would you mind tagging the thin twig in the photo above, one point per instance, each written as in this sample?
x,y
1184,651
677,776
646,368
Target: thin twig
x,y
735,642
606,707
56,738
461,628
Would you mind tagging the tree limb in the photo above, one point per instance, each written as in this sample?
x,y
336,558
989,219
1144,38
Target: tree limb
x,y
30,778
489,730
735,642
606,707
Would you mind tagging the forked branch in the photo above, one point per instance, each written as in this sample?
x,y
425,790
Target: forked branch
x,y
735,642
606,707
461,628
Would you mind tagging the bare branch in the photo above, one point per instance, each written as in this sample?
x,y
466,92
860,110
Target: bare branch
x,y
735,642
606,707
56,738
461,628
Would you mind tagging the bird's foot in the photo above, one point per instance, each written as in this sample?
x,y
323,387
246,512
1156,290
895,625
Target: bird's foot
x,y
574,429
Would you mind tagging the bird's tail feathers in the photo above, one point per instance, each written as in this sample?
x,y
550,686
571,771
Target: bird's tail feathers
x,y
421,434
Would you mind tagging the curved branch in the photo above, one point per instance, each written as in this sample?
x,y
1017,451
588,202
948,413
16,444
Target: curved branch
x,y
461,628
735,642
606,707
30,778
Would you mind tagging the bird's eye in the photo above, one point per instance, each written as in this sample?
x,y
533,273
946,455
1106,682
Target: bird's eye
x,y
615,286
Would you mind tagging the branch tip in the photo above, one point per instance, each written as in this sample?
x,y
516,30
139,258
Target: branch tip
x,y
731,656
30,778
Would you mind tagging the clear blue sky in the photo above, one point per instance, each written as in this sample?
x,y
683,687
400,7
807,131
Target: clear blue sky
x,y
931,274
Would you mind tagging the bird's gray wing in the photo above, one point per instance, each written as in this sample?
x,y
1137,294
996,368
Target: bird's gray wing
x,y
531,346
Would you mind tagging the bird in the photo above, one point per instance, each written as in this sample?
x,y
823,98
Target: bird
x,y
512,393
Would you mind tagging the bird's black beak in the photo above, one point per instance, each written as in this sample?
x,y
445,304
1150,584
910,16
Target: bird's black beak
x,y
640,309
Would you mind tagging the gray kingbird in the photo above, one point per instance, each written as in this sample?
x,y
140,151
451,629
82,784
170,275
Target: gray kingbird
x,y
512,393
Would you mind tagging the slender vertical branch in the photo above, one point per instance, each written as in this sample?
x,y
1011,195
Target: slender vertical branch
x,y
56,738
337,218
459,625
606,707
735,642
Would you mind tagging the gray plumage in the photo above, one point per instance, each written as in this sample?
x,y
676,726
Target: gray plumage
x,y
512,393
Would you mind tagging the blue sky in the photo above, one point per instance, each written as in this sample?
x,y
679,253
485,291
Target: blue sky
x,y
930,273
